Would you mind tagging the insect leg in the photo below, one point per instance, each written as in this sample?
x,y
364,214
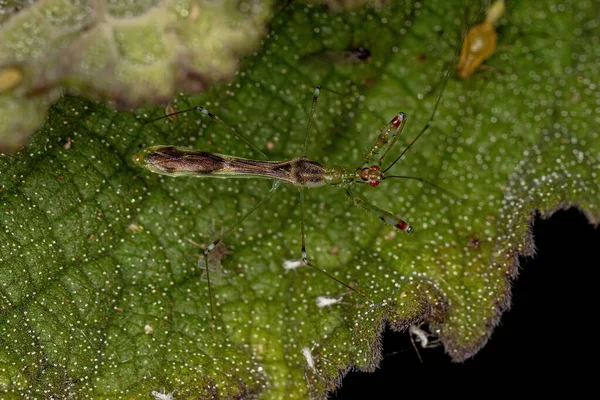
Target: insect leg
x,y
445,79
310,118
389,132
214,243
419,335
380,213
310,264
218,121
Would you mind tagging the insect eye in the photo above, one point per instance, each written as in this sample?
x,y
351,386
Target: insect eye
x,y
374,183
375,167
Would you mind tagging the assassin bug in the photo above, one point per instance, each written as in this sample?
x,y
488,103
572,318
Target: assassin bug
x,y
300,172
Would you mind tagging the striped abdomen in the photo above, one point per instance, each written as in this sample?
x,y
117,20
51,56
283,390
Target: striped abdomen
x,y
182,161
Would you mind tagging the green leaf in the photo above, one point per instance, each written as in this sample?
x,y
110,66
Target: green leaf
x,y
102,295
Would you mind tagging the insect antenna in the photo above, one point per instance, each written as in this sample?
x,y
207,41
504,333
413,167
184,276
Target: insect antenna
x,y
172,114
437,103
441,189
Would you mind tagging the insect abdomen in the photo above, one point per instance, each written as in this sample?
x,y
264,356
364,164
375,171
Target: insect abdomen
x,y
181,161
177,161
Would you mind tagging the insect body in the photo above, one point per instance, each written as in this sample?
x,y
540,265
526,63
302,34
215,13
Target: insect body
x,y
181,161
422,337
300,172
480,42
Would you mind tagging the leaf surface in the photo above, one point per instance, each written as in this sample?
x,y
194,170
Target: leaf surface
x,y
102,294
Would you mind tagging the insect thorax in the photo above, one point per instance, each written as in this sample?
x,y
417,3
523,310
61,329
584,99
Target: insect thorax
x,y
305,172
337,175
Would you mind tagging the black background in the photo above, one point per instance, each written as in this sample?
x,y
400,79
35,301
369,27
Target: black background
x,y
545,339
